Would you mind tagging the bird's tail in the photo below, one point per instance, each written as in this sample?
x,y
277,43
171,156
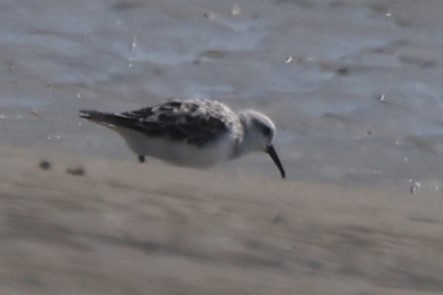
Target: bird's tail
x,y
100,117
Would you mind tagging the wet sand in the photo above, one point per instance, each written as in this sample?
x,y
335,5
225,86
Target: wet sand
x,y
81,225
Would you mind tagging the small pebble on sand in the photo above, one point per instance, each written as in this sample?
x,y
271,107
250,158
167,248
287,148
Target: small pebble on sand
x,y
76,171
44,165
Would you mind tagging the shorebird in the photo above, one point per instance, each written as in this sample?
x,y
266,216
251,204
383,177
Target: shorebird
x,y
196,133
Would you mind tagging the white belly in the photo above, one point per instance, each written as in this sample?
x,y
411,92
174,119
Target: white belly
x,y
178,153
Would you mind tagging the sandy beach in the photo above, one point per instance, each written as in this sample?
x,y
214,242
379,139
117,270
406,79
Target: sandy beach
x,y
81,225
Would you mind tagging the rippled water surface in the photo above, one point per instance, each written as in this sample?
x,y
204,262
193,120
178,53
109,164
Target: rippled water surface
x,y
355,87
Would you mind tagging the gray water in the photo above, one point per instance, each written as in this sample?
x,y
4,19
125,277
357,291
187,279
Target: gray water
x,y
355,87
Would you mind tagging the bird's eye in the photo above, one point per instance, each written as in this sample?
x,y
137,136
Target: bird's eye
x,y
266,131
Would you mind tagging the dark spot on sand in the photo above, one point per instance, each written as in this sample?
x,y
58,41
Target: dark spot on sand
x,y
342,71
44,165
76,171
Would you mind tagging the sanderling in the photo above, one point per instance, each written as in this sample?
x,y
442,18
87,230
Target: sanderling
x,y
192,133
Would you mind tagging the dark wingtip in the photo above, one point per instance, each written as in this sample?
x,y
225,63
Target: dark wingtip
x,y
101,118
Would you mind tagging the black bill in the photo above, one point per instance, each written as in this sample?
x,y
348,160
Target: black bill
x,y
273,154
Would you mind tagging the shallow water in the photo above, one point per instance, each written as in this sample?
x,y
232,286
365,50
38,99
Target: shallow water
x,y
354,86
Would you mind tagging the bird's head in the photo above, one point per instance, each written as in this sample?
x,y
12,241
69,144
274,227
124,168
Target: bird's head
x,y
259,131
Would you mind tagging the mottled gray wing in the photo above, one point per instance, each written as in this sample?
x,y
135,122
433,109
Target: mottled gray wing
x,y
192,122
